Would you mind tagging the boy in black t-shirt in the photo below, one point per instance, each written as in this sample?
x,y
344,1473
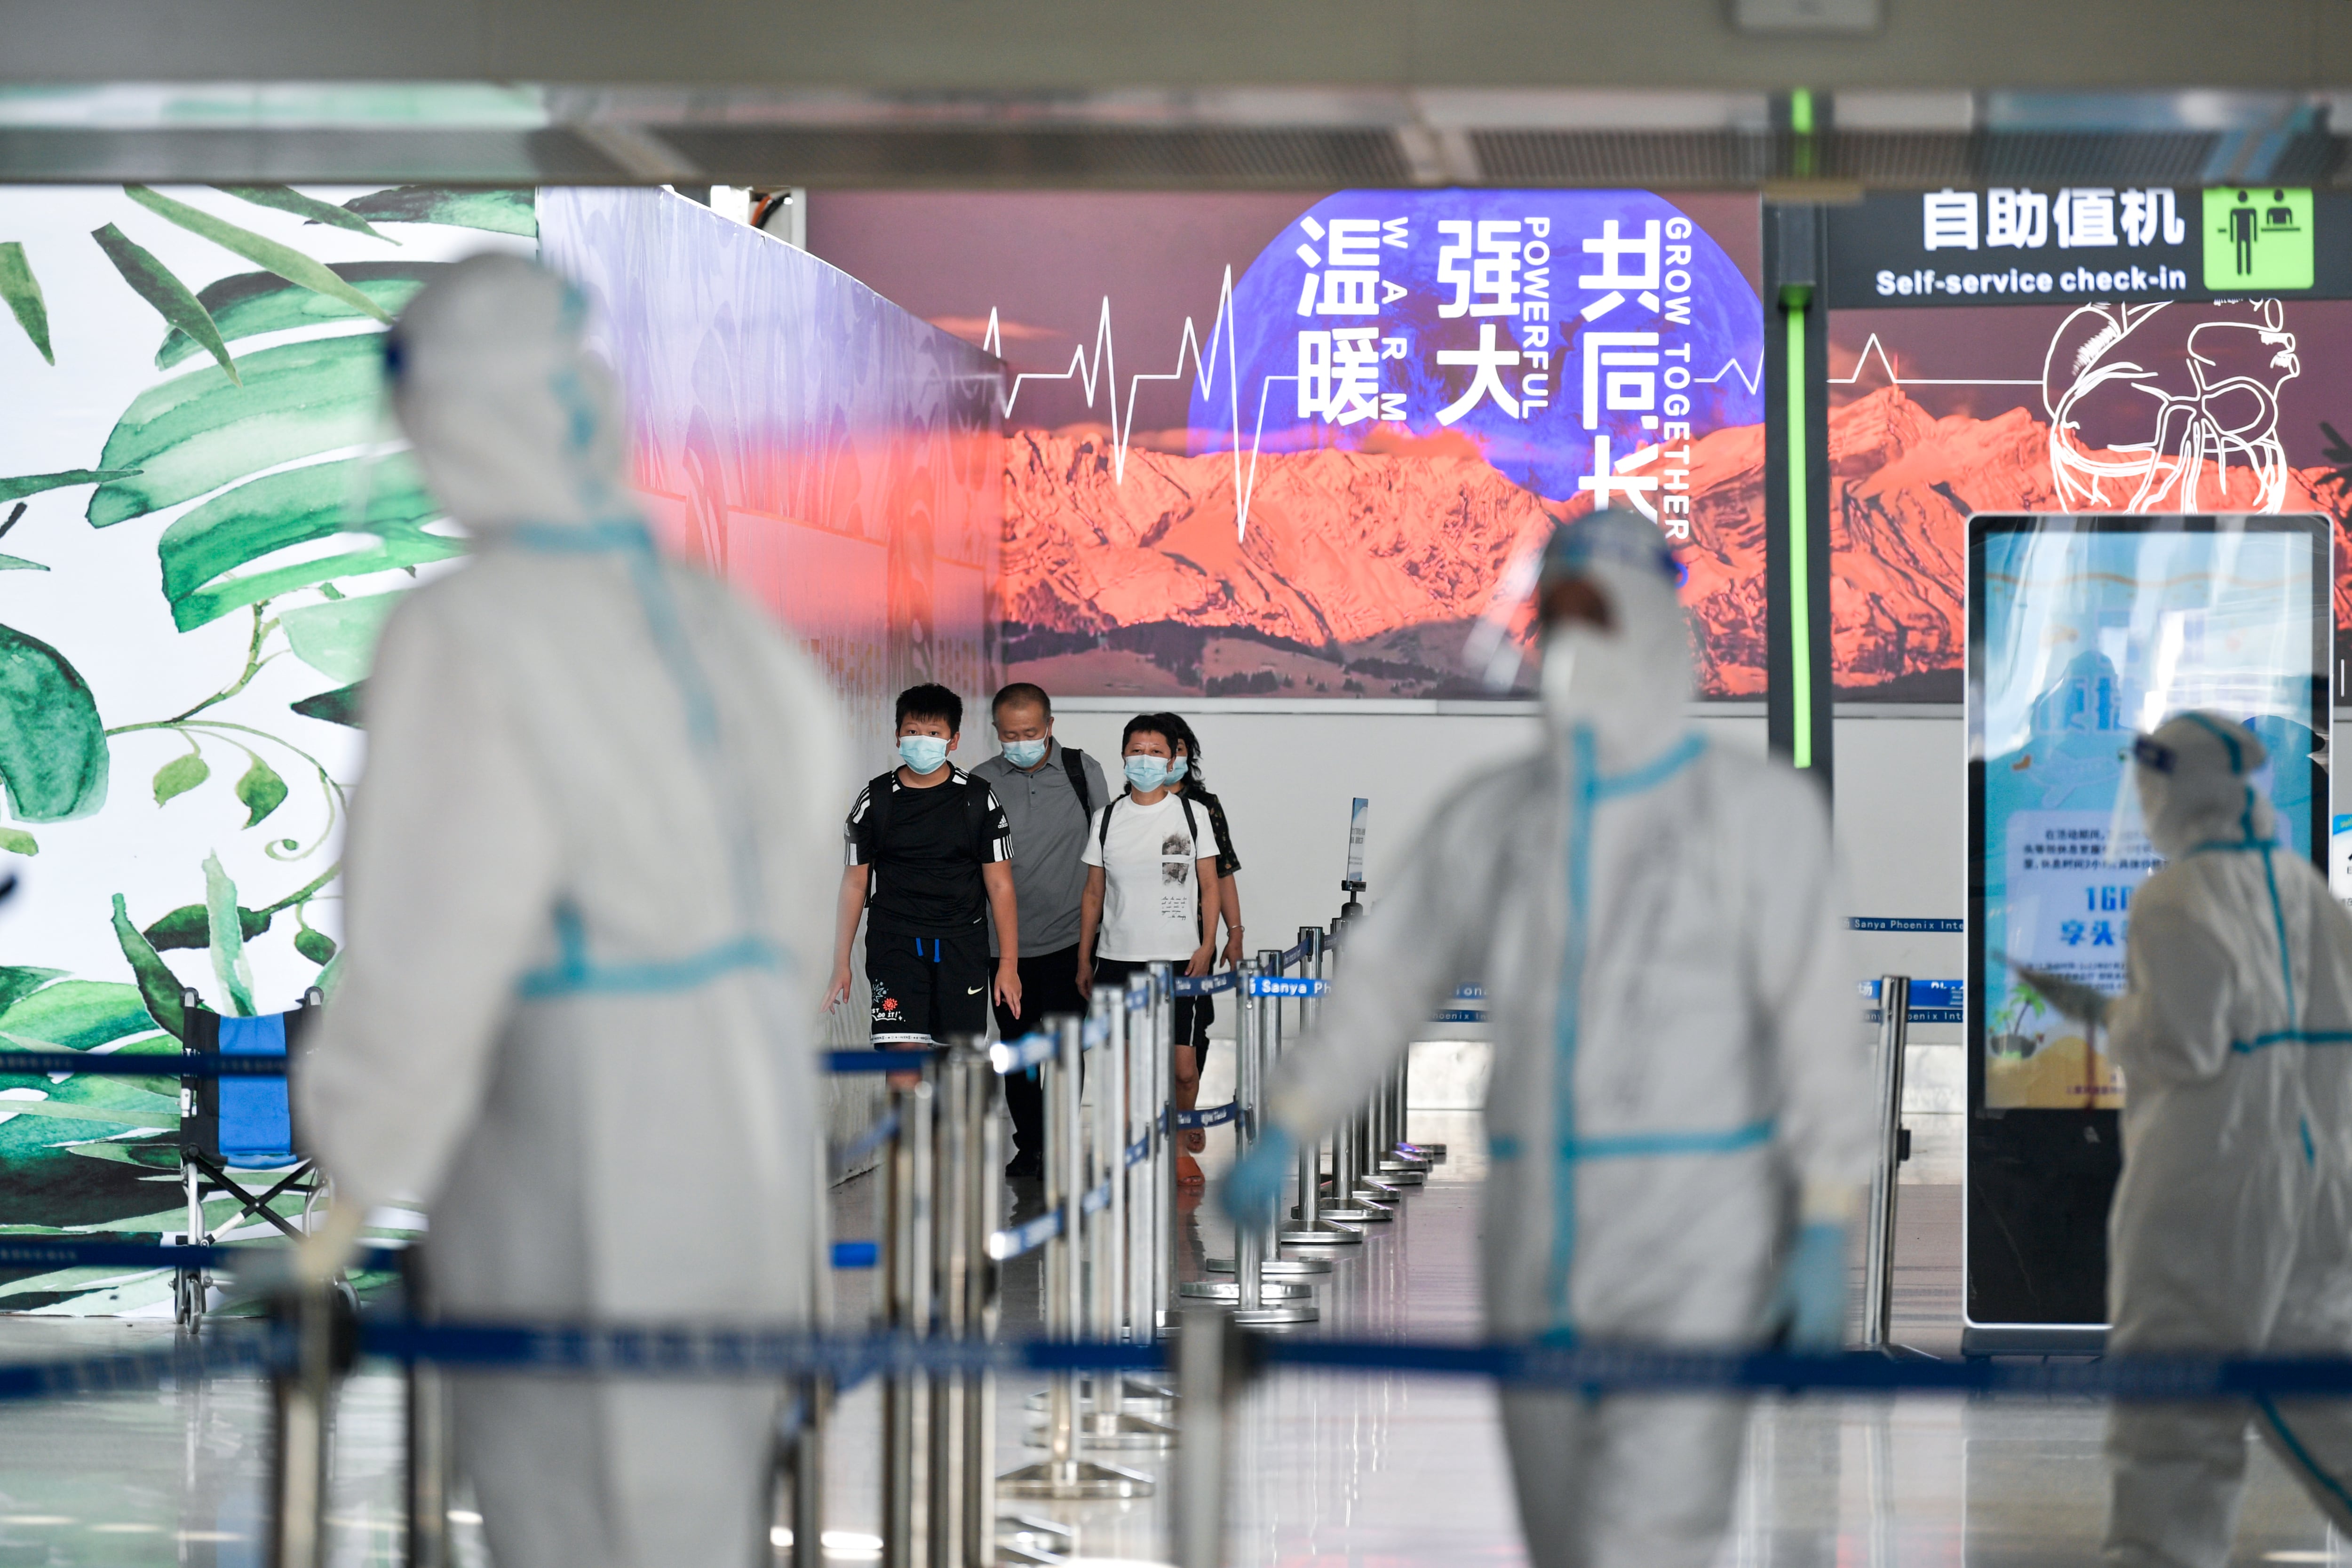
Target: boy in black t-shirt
x,y
929,854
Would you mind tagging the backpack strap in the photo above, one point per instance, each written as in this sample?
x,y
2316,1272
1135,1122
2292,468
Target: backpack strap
x,y
878,817
1075,760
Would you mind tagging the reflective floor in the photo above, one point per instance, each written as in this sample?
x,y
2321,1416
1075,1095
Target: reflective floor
x,y
1377,1472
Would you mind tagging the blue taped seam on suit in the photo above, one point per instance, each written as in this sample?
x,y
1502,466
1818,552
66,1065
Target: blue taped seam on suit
x,y
2302,1455
2237,757
2278,917
2299,1036
576,975
1637,1146
1589,788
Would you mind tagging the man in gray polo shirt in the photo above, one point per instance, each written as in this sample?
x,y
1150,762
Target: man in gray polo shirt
x,y
1048,794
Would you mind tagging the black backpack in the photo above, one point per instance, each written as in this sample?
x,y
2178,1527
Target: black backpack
x,y
1191,824
1075,760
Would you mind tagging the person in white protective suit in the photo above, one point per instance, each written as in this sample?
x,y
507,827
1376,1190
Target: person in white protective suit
x,y
1679,1109
2231,1228
589,880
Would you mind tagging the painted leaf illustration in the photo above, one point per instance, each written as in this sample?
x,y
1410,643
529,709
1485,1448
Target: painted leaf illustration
x,y
499,212
53,755
198,432
18,563
180,776
283,260
295,506
246,304
229,967
24,485
159,988
315,946
156,283
340,706
79,1014
17,983
261,791
190,925
286,199
17,841
338,638
23,292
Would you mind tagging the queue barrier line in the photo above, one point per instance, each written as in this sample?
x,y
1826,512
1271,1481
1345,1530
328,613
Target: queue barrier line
x,y
879,1062
1014,1240
160,1064
43,1252
1214,1116
1205,985
690,1351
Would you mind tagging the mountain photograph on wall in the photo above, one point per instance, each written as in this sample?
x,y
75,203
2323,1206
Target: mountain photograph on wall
x,y
1936,414
1295,445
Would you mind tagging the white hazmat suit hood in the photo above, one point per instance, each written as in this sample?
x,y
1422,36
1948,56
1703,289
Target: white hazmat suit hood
x,y
1677,1048
2231,1226
588,869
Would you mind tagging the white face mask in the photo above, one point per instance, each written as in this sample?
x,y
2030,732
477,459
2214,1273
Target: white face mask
x,y
1629,683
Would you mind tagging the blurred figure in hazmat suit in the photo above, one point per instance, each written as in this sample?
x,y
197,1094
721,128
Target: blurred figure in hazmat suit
x,y
589,874
2231,1228
1679,1110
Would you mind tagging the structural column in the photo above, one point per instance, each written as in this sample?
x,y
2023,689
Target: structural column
x,y
1797,670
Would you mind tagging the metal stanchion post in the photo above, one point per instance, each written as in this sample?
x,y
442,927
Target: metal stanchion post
x,y
804,1467
959,1252
1106,1425
1312,1223
1064,1474
1163,1171
1347,1203
1372,1189
984,1201
301,1389
425,1486
1255,1299
906,1281
1211,1361
1269,1028
1878,1265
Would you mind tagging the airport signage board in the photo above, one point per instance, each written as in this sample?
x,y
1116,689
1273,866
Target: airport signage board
x,y
2088,245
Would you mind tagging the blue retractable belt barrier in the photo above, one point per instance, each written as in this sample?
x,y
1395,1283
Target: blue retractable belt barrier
x,y
59,1252
1205,985
1932,1001
1139,1151
689,1351
1018,1055
1020,1238
1096,1200
172,1064
879,1062
1287,986
1215,1116
857,1254
1904,923
866,1142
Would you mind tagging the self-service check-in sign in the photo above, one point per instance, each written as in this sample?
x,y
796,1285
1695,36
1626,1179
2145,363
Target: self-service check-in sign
x,y
2258,238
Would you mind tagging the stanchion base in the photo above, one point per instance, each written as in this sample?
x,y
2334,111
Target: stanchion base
x,y
1274,1316
1377,1190
1396,1173
1353,1214
1229,1290
1433,1153
1030,1524
1322,1233
1117,1431
1073,1479
1132,1391
1274,1266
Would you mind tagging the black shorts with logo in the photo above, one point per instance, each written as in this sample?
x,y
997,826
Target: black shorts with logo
x,y
926,988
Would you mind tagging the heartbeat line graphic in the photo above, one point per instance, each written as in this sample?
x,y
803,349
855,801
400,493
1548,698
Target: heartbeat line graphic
x,y
1096,368
1871,345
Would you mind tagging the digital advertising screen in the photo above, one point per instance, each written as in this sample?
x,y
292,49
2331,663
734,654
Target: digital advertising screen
x,y
2086,631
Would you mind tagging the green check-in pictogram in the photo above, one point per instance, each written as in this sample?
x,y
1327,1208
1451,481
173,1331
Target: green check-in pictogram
x,y
2258,238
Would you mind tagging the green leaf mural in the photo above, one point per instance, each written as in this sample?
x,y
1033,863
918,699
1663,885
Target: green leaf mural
x,y
53,755
338,638
181,774
260,792
498,212
77,1014
17,841
343,705
259,249
24,485
199,431
191,926
16,984
159,989
247,304
23,292
315,946
230,967
286,199
18,563
156,283
295,506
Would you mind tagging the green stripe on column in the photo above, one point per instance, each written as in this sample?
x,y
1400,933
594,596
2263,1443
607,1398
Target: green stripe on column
x,y
1800,617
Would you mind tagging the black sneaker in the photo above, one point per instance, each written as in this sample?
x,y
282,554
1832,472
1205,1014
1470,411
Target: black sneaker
x,y
1025,1167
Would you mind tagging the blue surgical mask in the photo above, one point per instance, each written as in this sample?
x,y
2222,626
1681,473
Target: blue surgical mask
x,y
1146,774
1177,769
1024,754
923,753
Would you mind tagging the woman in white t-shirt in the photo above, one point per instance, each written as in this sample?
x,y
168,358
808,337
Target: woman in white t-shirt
x,y
1148,854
